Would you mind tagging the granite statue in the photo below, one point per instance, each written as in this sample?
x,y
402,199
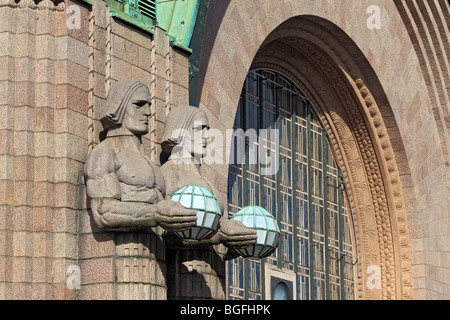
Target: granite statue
x,y
184,145
127,191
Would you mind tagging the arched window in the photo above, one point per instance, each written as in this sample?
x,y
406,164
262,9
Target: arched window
x,y
306,195
281,292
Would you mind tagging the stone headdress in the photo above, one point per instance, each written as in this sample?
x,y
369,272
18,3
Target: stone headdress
x,y
118,98
178,122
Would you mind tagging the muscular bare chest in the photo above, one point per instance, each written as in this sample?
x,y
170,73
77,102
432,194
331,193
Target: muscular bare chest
x,y
134,169
136,178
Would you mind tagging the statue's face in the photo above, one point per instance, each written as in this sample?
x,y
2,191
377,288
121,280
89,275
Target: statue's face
x,y
199,135
138,111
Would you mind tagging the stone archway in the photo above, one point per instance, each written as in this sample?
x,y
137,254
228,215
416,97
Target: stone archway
x,y
329,67
305,49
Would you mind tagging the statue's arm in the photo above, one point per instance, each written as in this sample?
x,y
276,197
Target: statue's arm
x,y
113,214
231,233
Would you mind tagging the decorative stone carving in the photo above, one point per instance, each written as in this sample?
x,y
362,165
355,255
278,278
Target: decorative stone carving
x,y
184,144
126,189
54,5
376,191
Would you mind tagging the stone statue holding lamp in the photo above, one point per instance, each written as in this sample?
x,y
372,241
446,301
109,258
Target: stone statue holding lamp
x,y
126,189
128,192
184,145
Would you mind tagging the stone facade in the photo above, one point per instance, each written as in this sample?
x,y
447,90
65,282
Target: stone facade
x,y
382,93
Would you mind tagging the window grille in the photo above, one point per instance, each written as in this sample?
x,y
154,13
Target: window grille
x,y
148,8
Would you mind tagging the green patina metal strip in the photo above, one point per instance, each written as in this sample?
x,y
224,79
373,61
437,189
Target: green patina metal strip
x,y
196,46
127,18
192,24
178,19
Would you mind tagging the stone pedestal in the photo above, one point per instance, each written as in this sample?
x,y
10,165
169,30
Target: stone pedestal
x,y
197,274
140,266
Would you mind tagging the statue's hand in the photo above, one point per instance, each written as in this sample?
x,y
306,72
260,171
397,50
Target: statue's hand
x,y
234,234
174,217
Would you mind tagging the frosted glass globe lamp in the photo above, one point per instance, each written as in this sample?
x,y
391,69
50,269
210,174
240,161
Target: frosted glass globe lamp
x,y
201,200
257,218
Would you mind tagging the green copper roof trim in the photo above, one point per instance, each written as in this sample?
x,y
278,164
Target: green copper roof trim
x,y
123,11
127,18
192,24
197,48
174,43
178,18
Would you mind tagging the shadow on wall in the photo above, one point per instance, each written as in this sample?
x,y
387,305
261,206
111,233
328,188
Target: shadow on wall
x,y
206,28
185,282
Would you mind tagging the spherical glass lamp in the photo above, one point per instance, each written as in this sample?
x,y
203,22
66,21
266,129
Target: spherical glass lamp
x,y
201,200
266,226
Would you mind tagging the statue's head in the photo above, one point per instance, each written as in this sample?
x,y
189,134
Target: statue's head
x,y
186,130
127,108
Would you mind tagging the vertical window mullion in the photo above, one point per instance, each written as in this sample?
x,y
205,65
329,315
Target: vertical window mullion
x,y
294,180
244,179
310,207
260,111
278,175
261,179
340,225
325,212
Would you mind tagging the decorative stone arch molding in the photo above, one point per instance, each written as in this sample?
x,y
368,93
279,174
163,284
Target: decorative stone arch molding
x,y
305,51
328,65
58,5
